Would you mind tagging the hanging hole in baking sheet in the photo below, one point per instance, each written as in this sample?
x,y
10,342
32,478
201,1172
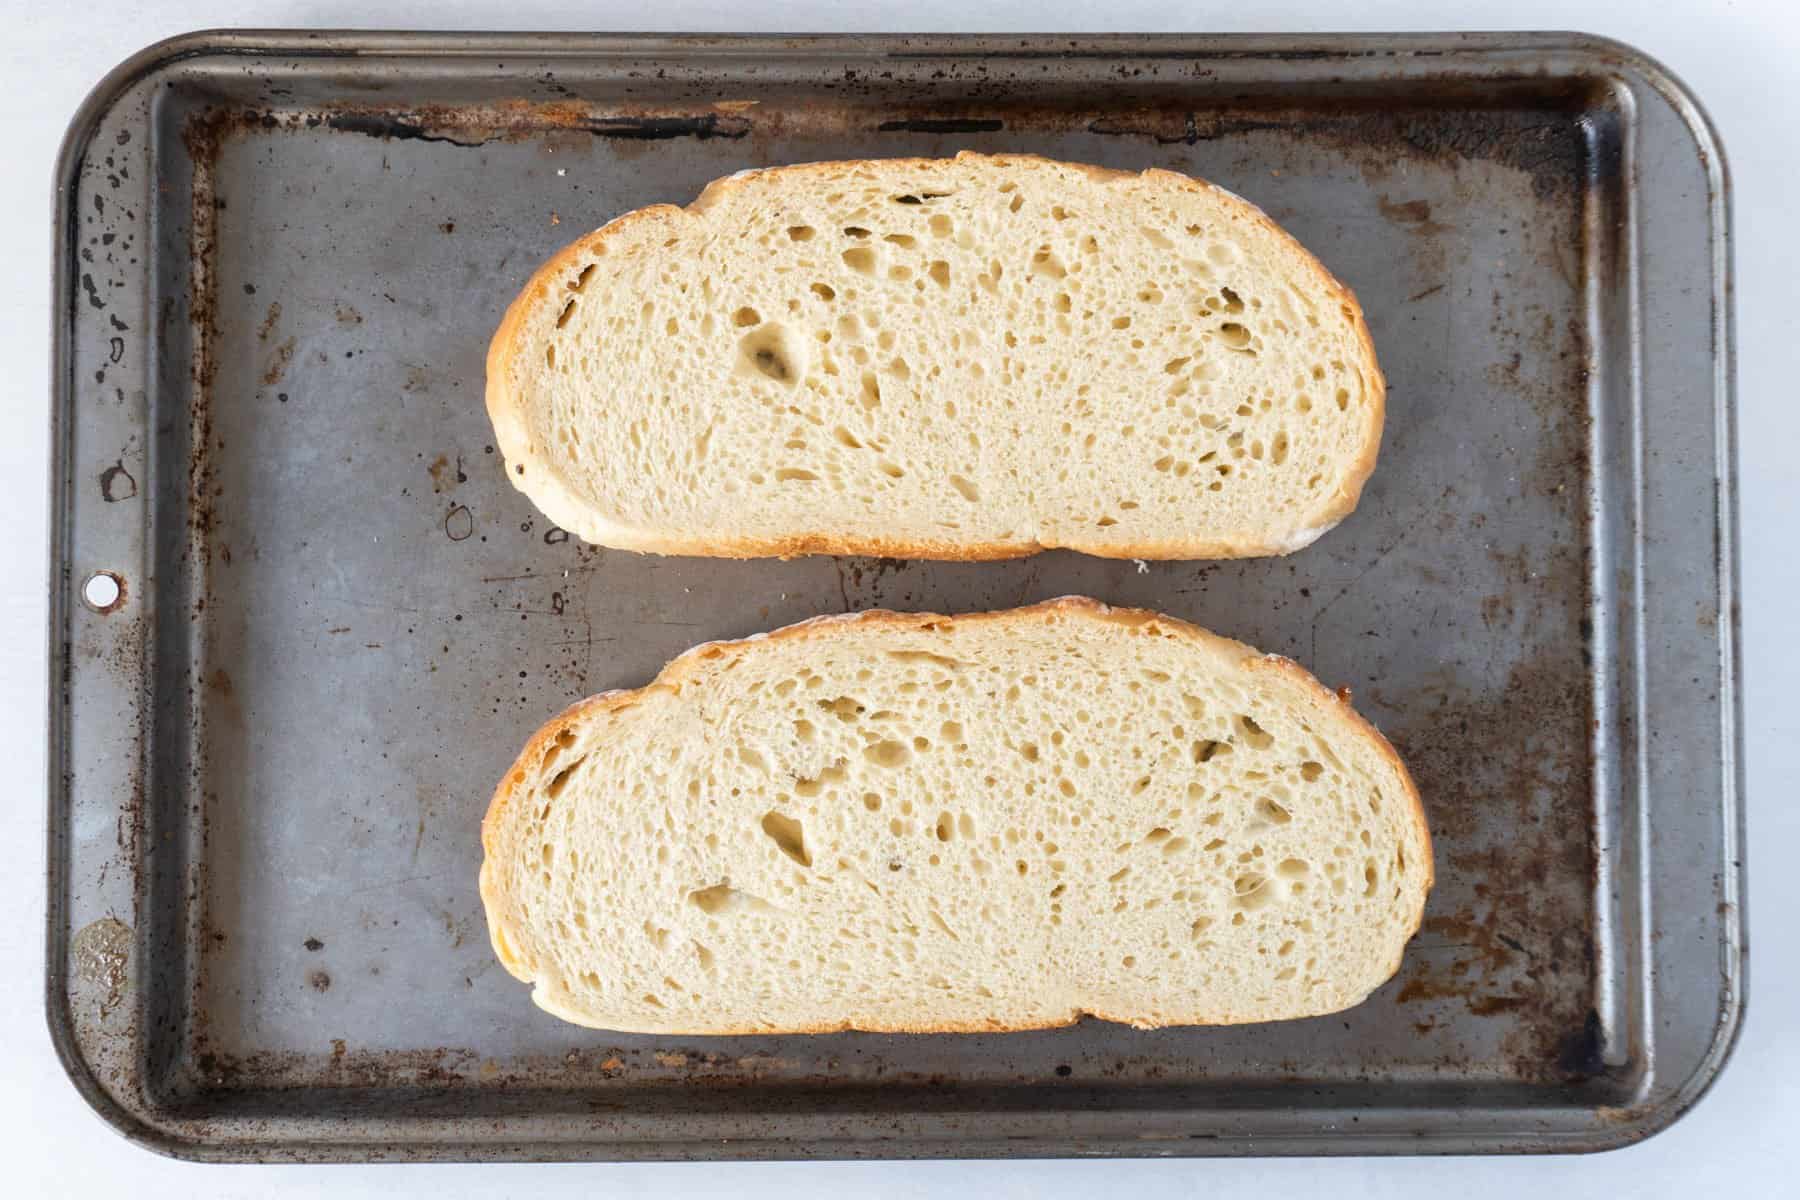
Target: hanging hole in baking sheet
x,y
103,591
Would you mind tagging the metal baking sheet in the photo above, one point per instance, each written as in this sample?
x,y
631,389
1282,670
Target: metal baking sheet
x,y
279,259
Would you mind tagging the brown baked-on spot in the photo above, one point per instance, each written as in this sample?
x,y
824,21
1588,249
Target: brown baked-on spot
x,y
1512,915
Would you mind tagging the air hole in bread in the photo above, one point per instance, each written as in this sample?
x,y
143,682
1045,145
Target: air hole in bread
x,y
1046,264
1271,812
767,351
1254,734
871,390
844,708
810,787
563,740
1252,891
722,900
927,656
788,835
888,753
554,788
800,233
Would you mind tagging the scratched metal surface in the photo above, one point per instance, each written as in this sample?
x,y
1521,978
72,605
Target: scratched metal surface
x,y
281,257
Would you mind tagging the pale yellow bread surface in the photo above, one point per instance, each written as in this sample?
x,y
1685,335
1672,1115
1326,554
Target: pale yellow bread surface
x,y
999,821
967,358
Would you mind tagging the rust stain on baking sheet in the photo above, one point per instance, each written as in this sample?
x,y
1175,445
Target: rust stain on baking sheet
x,y
202,136
439,1066
863,581
942,125
1413,215
1533,134
1536,137
116,483
100,954
511,120
278,364
444,477
1517,855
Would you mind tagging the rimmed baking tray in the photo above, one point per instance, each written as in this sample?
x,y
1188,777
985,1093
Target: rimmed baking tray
x,y
279,259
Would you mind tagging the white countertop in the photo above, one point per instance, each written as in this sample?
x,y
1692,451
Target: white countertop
x,y
1739,57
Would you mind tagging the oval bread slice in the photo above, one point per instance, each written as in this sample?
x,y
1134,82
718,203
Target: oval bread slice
x,y
910,822
966,358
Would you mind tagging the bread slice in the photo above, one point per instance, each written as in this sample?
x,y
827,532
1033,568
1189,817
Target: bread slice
x,y
911,822
966,358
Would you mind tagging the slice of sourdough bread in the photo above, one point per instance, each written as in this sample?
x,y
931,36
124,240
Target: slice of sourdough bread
x,y
1001,821
966,358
